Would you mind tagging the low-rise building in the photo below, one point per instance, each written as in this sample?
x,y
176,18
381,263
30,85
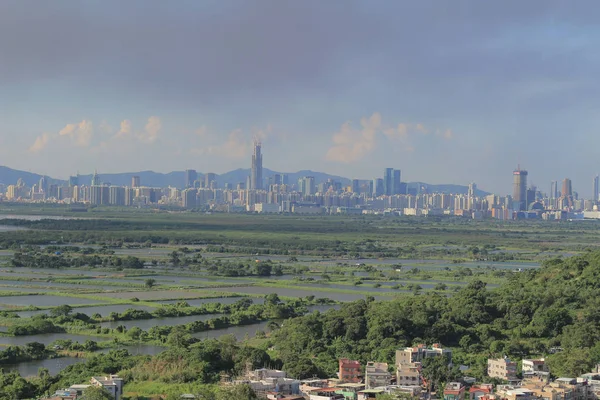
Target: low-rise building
x,y
264,381
325,394
478,391
377,374
112,384
502,368
534,365
349,371
454,391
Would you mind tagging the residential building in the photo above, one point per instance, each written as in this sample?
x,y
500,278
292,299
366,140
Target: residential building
x,y
409,359
325,394
454,391
476,392
520,189
191,176
502,368
350,390
135,181
534,365
377,374
349,371
264,381
112,383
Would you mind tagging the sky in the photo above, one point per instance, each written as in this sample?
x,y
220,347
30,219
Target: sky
x,y
447,91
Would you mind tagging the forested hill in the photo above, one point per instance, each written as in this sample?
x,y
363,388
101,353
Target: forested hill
x,y
557,305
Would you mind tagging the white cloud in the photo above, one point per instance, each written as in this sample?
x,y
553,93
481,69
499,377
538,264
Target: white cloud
x,y
40,143
237,146
151,130
80,134
125,128
351,145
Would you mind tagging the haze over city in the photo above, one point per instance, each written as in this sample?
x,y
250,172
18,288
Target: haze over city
x,y
448,92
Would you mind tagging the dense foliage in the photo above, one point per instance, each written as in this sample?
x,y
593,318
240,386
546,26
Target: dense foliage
x,y
537,310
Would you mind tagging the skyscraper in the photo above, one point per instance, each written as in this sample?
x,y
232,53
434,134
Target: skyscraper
x,y
135,181
567,188
520,189
95,179
256,173
209,178
73,181
596,192
355,186
388,186
190,177
554,190
397,182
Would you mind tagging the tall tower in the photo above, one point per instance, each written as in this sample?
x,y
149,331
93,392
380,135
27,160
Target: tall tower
x,y
95,179
388,177
567,188
520,188
554,190
596,191
191,176
256,173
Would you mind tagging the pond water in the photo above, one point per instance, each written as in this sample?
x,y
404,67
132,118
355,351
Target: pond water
x,y
58,286
147,324
240,332
44,300
157,295
56,365
31,368
9,228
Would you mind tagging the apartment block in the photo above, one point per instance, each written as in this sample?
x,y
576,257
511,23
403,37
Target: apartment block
x,y
502,368
349,371
376,375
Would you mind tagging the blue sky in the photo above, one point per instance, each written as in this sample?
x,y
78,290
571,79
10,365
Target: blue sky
x,y
449,92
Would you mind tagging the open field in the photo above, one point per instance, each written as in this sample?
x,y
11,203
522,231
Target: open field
x,y
137,278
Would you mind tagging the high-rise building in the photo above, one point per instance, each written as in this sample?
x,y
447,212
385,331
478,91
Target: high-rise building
x,y
116,196
190,177
355,186
210,179
74,181
135,181
189,198
567,188
43,184
397,182
520,189
596,188
388,185
377,187
554,190
95,179
256,172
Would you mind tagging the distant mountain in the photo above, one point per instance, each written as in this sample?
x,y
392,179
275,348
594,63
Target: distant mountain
x,y
9,176
147,178
240,175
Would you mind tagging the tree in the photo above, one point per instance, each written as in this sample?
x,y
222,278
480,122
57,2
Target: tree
x,y
96,393
61,311
237,392
149,283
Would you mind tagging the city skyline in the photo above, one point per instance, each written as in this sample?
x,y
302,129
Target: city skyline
x,y
455,93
